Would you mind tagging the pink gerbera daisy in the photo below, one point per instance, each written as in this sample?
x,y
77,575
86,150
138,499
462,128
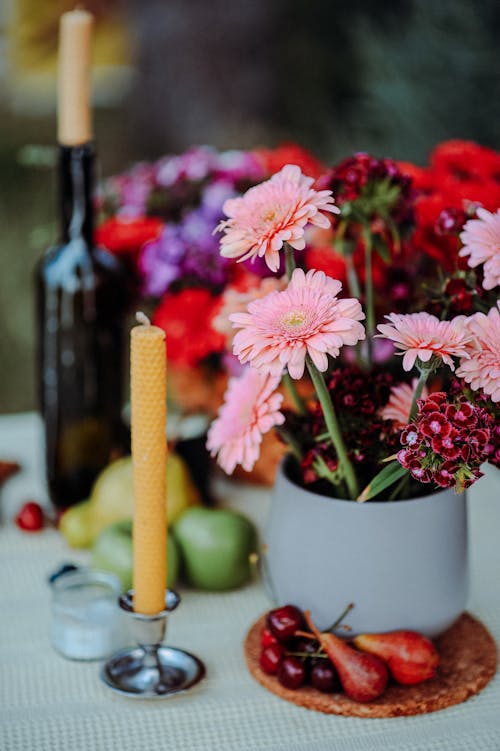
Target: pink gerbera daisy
x,y
481,239
274,212
423,335
482,368
399,405
251,408
280,329
234,301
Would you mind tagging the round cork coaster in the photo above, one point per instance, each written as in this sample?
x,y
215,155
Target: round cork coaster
x,y
468,661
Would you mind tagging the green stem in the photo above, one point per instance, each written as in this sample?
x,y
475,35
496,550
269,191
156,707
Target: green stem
x,y
369,303
294,394
333,428
424,375
289,260
352,277
355,291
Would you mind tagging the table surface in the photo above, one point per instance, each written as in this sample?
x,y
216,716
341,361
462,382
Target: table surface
x,y
48,703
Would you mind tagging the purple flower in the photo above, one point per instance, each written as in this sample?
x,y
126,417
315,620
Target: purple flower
x,y
187,191
160,259
239,165
202,258
213,198
133,188
194,165
187,250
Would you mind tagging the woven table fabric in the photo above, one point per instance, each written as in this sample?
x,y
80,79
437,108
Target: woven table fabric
x,y
48,703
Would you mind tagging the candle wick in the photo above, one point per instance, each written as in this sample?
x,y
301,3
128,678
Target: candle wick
x,y
141,317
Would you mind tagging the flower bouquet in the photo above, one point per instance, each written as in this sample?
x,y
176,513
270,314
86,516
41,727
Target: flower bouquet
x,y
367,426
393,370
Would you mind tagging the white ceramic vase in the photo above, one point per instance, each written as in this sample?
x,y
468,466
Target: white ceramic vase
x,y
404,564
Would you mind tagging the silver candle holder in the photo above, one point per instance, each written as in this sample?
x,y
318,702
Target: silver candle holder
x,y
151,670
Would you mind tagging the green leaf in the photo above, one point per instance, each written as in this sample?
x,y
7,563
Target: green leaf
x,y
381,248
386,477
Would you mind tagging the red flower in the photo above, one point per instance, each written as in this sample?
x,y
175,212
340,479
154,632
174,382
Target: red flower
x,y
325,258
466,161
273,160
461,173
433,403
186,318
443,248
410,436
456,193
464,414
435,424
422,178
446,447
441,445
445,476
127,235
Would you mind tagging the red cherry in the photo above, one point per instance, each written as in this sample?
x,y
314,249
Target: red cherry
x,y
271,658
30,517
267,638
324,676
292,672
284,622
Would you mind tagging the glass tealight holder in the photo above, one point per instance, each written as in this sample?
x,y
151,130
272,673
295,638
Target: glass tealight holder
x,y
87,623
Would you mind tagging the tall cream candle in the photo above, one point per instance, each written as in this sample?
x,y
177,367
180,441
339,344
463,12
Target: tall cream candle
x,y
74,115
149,456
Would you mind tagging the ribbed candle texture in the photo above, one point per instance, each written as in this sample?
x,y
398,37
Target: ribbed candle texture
x,y
149,454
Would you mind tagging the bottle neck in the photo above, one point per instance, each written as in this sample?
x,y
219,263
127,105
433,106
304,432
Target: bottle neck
x,y
76,184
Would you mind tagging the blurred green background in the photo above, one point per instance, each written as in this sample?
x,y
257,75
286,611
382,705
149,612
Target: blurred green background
x,y
391,78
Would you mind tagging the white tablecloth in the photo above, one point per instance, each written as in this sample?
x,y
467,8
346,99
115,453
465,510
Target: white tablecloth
x,y
51,704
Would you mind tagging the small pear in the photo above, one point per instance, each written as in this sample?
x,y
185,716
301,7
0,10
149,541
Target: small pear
x,y
411,657
363,676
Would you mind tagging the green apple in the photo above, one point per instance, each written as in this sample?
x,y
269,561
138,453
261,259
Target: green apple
x,y
216,545
112,551
76,525
112,500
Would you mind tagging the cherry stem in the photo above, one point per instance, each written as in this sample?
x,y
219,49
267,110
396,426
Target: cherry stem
x,y
309,621
341,618
323,655
305,634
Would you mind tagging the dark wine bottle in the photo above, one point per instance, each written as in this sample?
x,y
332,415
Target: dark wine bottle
x,y
82,299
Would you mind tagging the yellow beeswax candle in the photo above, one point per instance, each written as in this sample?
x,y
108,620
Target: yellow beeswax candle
x,y
148,388
75,36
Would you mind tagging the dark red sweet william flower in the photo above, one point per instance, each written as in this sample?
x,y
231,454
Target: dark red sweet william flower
x,y
127,235
358,397
435,424
460,296
450,221
448,441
